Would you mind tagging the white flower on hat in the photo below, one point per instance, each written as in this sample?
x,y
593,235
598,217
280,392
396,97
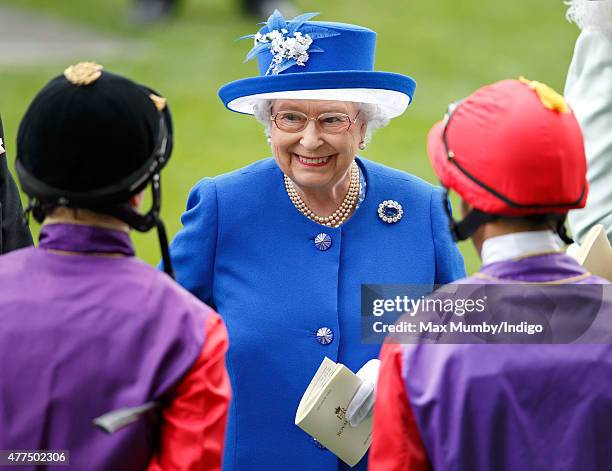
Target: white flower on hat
x,y
2,151
287,45
285,48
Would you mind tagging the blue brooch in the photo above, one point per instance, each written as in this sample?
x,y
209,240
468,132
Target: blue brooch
x,y
289,42
390,211
322,241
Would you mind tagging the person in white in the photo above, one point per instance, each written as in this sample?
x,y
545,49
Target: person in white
x,y
589,92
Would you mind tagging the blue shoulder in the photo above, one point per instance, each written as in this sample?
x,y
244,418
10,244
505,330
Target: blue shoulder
x,y
430,200
399,177
256,180
240,176
253,174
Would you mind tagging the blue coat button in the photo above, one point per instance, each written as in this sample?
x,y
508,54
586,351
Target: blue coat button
x,y
323,241
325,336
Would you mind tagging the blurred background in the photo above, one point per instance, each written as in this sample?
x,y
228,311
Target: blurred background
x,y
450,47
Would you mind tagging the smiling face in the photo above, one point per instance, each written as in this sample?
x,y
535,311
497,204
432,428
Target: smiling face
x,y
313,159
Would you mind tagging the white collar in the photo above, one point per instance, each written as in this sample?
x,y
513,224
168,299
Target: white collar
x,y
518,244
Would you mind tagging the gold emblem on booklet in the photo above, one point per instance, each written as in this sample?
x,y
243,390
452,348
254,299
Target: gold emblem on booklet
x,y
341,413
322,412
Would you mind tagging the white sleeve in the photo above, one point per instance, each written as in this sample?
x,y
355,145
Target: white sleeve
x,y
589,92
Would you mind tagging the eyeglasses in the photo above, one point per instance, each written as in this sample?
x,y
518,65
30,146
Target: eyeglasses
x,y
329,123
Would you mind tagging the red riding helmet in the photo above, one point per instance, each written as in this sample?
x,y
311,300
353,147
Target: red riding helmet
x,y
511,149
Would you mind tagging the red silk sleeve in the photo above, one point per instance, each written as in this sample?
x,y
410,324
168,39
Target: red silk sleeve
x,y
396,441
193,428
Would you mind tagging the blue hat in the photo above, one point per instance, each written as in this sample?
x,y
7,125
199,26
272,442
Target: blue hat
x,y
317,60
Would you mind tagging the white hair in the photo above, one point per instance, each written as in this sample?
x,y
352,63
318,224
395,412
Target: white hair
x,y
370,113
590,14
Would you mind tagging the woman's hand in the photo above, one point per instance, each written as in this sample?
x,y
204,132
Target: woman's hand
x,y
362,403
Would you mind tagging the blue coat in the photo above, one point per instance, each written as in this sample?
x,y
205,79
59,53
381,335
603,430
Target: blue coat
x,y
247,251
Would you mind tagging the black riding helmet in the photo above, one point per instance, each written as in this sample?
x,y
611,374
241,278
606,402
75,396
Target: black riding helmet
x,y
92,139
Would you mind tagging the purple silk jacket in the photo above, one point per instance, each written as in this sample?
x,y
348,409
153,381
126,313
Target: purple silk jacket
x,y
85,329
514,407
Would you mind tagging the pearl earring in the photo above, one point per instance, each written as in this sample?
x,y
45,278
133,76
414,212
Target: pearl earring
x,y
362,145
269,139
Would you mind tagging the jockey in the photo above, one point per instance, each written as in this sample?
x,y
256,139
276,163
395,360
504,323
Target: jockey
x,y
91,335
514,153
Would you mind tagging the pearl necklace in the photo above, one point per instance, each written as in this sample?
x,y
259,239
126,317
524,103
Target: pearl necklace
x,y
339,215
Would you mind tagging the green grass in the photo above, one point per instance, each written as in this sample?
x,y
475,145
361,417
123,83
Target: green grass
x,y
450,47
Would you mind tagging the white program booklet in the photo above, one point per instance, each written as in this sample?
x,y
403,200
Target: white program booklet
x,y
323,407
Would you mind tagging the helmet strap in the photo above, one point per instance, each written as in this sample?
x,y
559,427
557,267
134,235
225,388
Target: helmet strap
x,y
124,212
144,222
562,231
37,209
464,229
165,251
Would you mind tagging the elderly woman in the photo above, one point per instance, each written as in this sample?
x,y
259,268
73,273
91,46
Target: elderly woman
x,y
281,248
